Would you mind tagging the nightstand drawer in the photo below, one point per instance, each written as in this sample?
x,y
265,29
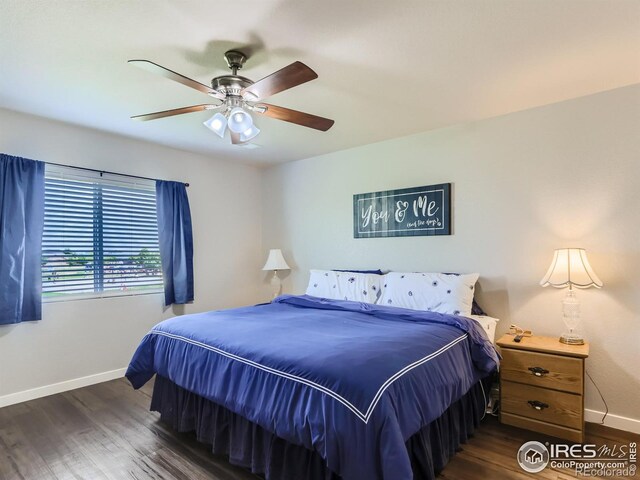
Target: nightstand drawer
x,y
542,370
541,404
543,427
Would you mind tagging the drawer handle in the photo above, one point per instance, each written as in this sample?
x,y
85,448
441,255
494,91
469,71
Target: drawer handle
x,y
538,371
538,405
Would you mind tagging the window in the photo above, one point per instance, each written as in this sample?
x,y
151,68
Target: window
x,y
100,236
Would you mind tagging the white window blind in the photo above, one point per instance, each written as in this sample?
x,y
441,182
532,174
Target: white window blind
x,y
100,236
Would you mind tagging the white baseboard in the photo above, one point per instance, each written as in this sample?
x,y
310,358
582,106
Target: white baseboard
x,y
613,421
594,416
60,387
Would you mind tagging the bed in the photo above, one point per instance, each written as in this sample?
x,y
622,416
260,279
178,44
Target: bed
x,y
338,389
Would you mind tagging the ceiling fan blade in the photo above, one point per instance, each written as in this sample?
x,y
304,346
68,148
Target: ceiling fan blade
x,y
288,77
175,111
170,74
294,116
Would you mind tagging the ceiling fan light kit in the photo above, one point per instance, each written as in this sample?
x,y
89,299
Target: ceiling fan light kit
x,y
238,96
239,120
249,134
217,124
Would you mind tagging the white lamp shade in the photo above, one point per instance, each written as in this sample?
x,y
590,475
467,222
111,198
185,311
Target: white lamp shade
x,y
249,134
570,268
275,261
239,120
217,124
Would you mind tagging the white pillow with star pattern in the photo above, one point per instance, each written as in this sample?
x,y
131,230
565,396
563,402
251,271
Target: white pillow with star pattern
x,y
450,293
356,287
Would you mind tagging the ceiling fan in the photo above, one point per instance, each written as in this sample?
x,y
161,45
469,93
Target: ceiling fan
x,y
238,96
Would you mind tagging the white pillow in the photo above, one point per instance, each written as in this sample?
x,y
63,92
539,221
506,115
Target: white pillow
x,y
357,287
488,325
434,292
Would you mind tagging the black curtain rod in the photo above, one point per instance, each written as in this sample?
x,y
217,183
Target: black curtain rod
x,y
105,171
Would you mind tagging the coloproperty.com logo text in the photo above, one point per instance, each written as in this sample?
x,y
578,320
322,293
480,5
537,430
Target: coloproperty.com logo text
x,y
585,460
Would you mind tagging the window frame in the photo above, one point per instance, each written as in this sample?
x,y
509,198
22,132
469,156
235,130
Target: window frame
x,y
70,173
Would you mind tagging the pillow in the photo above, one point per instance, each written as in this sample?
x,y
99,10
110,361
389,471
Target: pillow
x,y
488,324
356,287
371,272
450,293
476,309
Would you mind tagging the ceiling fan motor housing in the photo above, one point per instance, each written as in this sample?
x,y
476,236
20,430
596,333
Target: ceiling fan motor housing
x,y
233,84
230,84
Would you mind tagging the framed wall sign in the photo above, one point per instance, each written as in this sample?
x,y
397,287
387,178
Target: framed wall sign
x,y
402,213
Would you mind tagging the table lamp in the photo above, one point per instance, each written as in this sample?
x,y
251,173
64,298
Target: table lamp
x,y
570,268
275,262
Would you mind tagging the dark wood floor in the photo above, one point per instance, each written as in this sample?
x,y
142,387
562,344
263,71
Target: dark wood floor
x,y
106,432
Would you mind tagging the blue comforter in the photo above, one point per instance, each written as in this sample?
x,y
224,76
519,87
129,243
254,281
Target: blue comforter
x,y
352,381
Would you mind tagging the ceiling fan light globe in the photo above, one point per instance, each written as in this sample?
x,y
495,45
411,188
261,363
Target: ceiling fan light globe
x,y
249,134
239,120
217,124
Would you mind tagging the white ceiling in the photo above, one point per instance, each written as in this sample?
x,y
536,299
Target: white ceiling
x,y
386,69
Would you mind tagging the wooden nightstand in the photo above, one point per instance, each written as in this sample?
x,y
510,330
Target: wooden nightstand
x,y
542,386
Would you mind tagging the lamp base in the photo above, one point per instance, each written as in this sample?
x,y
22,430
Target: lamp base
x,y
571,339
276,284
571,317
